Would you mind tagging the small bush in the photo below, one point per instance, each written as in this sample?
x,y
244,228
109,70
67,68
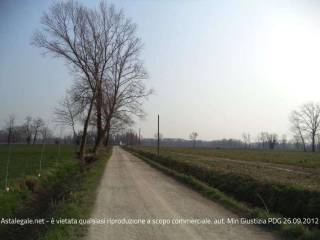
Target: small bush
x,y
31,183
32,197
90,158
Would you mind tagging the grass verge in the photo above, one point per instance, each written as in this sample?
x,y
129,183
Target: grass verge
x,y
64,192
286,231
79,204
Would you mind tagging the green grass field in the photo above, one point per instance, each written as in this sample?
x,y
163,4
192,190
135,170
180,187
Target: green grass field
x,y
62,191
25,160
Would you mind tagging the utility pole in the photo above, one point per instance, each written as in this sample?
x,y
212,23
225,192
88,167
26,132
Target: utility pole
x,y
139,136
158,138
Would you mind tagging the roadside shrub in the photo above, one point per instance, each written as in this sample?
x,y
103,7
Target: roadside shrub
x,y
32,197
31,183
90,158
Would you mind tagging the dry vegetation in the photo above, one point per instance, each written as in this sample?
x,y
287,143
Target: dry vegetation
x,y
287,167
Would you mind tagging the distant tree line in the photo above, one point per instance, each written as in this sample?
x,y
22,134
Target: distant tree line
x,y
304,124
35,131
222,143
129,137
31,131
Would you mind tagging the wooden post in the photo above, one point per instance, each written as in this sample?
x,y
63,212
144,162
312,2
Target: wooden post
x,y
7,167
139,136
158,138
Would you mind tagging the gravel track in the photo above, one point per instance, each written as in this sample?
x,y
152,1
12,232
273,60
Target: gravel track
x,y
132,189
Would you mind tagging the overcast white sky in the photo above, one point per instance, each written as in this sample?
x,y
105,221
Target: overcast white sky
x,y
220,68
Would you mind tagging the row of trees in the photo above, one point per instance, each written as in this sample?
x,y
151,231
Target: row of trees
x,y
305,123
130,137
31,130
264,140
102,49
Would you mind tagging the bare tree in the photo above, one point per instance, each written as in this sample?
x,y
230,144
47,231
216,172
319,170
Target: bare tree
x,y
306,121
297,129
267,140
246,139
123,86
272,139
296,141
193,137
119,123
28,129
101,47
67,113
45,133
318,142
37,125
82,37
284,141
262,139
10,125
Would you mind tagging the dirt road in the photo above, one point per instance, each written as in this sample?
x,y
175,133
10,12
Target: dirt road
x,y
132,189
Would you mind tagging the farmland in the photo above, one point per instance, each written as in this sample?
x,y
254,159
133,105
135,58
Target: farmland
x,y
26,160
294,158
255,178
285,167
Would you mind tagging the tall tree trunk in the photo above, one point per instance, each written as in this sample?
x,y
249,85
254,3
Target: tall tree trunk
x,y
304,147
313,142
100,130
85,131
106,142
28,140
98,140
302,140
9,136
35,137
104,136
